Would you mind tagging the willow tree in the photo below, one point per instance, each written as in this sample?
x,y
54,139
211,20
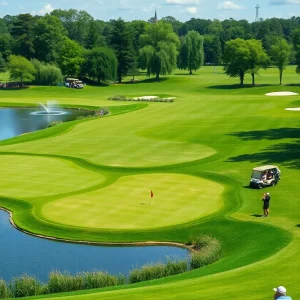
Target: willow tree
x,y
191,54
158,54
20,68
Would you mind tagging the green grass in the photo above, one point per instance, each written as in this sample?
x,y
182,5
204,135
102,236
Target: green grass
x,y
209,139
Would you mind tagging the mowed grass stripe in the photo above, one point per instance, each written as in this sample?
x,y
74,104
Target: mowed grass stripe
x,y
32,176
127,204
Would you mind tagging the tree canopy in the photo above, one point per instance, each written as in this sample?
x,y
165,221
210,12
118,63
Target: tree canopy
x,y
20,68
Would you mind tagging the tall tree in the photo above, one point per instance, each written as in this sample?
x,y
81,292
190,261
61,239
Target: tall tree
x,y
296,43
94,38
76,23
49,35
121,41
191,54
212,49
2,64
258,57
280,54
101,64
237,59
22,32
70,58
159,54
20,68
6,44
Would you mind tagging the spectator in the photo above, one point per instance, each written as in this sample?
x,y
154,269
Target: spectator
x,y
280,293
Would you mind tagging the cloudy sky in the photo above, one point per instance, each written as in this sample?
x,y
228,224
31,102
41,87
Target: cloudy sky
x,y
182,10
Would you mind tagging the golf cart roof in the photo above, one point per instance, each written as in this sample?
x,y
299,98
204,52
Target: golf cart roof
x,y
263,168
71,79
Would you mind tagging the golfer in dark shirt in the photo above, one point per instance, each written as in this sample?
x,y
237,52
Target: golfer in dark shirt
x,y
266,199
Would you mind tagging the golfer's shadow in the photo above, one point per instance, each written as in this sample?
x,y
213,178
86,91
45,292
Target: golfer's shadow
x,y
256,215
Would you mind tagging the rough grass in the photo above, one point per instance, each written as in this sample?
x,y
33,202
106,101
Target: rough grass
x,y
215,130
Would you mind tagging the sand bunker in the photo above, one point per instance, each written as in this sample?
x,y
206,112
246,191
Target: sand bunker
x,y
293,108
282,94
145,98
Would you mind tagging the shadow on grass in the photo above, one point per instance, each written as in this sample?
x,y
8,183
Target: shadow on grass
x,y
14,89
148,80
270,134
237,86
256,215
285,153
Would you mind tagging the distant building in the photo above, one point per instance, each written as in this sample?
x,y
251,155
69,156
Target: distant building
x,y
154,19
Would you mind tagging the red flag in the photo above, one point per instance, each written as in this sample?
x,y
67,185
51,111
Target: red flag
x,y
151,194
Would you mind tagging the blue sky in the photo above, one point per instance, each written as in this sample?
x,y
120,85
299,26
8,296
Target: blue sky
x,y
182,10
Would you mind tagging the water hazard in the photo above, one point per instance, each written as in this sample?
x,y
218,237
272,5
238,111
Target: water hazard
x,y
17,121
21,253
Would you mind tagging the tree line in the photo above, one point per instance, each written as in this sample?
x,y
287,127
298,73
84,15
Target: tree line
x,y
78,45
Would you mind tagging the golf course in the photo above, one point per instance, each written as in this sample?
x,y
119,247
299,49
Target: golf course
x,y
91,180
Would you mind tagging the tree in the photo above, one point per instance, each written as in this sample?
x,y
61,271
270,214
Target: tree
x,y
70,58
100,63
212,49
121,41
94,38
159,53
258,57
2,64
20,68
75,22
296,42
22,32
280,54
6,43
49,35
237,59
191,54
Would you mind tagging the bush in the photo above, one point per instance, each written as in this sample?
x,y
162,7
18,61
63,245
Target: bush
x,y
94,280
64,282
54,123
208,251
4,290
25,286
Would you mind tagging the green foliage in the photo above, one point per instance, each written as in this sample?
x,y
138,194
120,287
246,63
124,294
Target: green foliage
x,y
237,58
25,286
208,251
6,43
122,43
46,74
4,290
70,58
22,32
191,54
2,64
20,68
212,49
100,63
159,53
280,54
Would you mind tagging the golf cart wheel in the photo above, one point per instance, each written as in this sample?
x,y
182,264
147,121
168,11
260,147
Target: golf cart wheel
x,y
273,183
260,186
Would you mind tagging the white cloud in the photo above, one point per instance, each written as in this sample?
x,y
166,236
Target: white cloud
x,y
182,2
229,5
4,3
45,10
284,2
192,10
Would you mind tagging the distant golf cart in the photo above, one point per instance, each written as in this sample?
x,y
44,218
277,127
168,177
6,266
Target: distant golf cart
x,y
264,176
74,83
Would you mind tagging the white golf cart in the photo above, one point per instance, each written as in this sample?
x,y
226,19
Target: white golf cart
x,y
264,176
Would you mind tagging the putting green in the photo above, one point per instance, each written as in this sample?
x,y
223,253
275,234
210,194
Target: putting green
x,y
127,204
32,176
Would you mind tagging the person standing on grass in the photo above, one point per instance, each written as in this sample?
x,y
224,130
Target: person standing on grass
x,y
266,199
280,293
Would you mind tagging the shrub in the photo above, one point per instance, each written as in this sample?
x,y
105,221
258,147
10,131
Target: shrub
x,y
54,123
208,251
64,282
4,290
94,280
25,286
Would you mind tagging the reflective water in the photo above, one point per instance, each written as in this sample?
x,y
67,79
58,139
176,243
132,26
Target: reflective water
x,y
16,121
21,253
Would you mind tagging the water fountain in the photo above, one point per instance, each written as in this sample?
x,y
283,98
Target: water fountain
x,y
51,109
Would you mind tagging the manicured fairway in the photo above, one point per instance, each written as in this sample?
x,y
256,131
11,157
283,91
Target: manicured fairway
x,y
28,176
196,154
127,204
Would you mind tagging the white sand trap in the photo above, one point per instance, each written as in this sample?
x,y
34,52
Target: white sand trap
x,y
282,94
293,108
145,98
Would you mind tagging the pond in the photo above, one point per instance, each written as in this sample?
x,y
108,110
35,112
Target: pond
x,y
25,254
17,121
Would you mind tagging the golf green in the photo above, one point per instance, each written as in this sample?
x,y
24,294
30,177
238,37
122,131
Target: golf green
x,y
127,204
